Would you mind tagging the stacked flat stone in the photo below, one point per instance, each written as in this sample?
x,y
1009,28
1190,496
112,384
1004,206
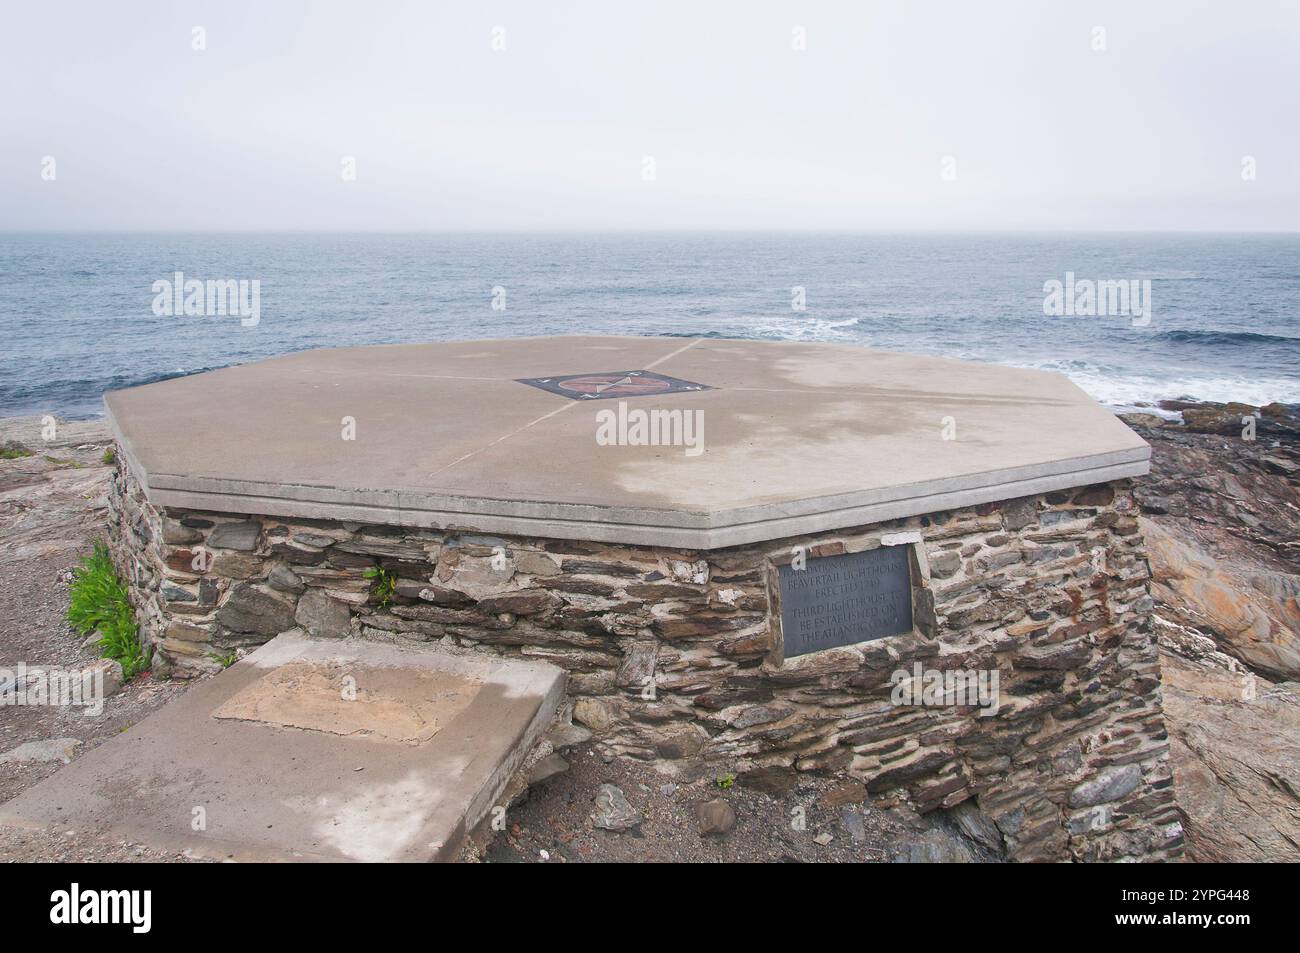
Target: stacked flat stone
x,y
673,654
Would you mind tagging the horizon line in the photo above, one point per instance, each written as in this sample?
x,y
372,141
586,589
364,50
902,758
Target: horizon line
x,y
649,231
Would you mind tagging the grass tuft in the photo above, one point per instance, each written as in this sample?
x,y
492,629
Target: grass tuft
x,y
100,603
226,660
384,585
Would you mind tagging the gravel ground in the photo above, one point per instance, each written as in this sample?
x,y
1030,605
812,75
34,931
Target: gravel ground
x,y
814,819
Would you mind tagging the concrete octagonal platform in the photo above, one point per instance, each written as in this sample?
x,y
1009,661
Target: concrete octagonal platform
x,y
478,435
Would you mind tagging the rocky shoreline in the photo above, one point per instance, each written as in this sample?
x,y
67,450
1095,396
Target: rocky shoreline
x,y
1221,513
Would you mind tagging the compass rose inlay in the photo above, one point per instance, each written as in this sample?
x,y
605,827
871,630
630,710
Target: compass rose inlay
x,y
607,384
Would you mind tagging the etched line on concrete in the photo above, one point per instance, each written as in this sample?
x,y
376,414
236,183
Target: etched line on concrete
x,y
653,364
489,446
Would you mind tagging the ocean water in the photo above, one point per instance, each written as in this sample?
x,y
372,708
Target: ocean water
x,y
77,316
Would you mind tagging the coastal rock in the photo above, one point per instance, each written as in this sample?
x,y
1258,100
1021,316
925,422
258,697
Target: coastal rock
x,y
976,825
844,793
52,749
933,848
1225,496
563,737
110,670
598,714
1281,465
547,768
1144,420
1109,785
1280,420
1255,617
676,740
1225,421
715,817
1280,411
613,812
1235,748
768,780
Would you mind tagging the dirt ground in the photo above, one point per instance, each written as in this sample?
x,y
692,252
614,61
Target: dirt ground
x,y
819,819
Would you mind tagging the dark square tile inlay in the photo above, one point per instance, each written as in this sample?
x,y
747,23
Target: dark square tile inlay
x,y
606,384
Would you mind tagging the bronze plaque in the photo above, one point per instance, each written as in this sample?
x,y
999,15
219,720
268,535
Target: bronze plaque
x,y
842,600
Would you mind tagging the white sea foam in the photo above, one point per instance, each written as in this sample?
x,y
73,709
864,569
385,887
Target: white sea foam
x,y
1131,392
808,329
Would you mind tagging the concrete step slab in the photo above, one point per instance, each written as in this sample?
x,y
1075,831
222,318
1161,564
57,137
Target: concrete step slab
x,y
312,750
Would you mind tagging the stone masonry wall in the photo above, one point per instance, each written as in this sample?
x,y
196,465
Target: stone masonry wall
x,y
671,655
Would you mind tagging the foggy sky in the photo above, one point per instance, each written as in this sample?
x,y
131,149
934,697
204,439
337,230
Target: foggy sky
x,y
1044,131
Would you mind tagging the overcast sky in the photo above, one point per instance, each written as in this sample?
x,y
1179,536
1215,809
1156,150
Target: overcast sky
x,y
1042,130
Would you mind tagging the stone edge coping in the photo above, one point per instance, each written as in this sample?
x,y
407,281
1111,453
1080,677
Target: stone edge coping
x,y
644,526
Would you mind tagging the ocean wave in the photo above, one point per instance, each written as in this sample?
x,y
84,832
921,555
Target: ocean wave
x,y
32,394
1188,336
707,335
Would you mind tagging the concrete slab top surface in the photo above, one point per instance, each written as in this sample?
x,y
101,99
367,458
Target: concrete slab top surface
x,y
556,436
308,749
